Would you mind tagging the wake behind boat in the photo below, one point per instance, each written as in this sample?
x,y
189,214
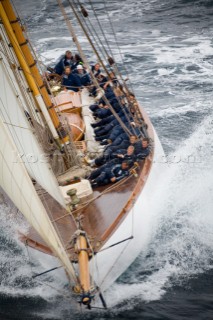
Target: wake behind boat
x,y
79,156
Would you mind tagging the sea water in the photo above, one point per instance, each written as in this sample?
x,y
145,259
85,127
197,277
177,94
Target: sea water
x,y
167,50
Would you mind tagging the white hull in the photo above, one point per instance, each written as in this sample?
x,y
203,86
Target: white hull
x,y
112,262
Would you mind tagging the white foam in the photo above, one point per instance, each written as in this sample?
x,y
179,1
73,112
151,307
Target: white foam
x,y
182,223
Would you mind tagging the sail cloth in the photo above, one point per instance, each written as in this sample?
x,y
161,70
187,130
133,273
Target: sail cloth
x,y
17,184
12,112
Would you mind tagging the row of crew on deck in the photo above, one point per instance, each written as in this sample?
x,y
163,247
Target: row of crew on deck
x,y
115,165
121,150
73,74
68,60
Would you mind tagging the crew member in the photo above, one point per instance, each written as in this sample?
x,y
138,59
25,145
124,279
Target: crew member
x,y
83,75
113,173
66,60
70,80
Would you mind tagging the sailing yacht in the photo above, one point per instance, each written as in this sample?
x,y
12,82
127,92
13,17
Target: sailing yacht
x,y
45,135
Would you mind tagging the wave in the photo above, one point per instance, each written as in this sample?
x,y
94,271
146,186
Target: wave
x,y
181,231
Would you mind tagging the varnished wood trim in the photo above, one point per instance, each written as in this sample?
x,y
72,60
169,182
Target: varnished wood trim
x,y
35,245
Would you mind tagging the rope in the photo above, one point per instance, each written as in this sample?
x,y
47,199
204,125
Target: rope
x,y
102,46
28,253
100,28
116,41
63,293
20,81
13,125
121,253
42,282
56,227
86,62
92,30
115,185
119,256
29,72
40,131
70,27
115,70
87,35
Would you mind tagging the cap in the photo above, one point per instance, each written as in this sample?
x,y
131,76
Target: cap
x,y
79,67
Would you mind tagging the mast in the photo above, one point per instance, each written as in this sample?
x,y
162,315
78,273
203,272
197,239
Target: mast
x,y
31,72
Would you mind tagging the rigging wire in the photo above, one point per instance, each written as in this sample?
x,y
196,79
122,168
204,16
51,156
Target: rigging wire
x,y
102,48
116,41
92,31
24,200
42,282
110,188
72,6
41,136
101,29
85,60
114,69
12,61
30,73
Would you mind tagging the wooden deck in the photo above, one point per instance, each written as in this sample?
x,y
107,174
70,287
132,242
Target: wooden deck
x,y
102,216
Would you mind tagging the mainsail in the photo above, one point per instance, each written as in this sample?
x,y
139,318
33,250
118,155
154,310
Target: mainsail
x,y
17,184
12,112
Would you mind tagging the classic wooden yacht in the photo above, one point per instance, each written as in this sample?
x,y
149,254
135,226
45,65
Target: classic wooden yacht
x,y
45,134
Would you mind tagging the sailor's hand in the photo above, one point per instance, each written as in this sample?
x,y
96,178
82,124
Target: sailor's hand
x,y
113,179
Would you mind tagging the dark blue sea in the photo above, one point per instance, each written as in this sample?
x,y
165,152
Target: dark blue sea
x,y
167,49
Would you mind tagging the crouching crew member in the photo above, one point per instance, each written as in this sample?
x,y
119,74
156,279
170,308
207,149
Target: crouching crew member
x,y
109,173
65,60
70,80
114,158
142,149
83,75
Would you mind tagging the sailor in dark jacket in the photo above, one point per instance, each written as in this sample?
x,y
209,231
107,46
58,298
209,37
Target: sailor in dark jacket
x,y
105,111
102,111
124,144
77,61
108,127
109,174
83,75
123,111
114,157
71,81
142,149
114,133
65,60
96,70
